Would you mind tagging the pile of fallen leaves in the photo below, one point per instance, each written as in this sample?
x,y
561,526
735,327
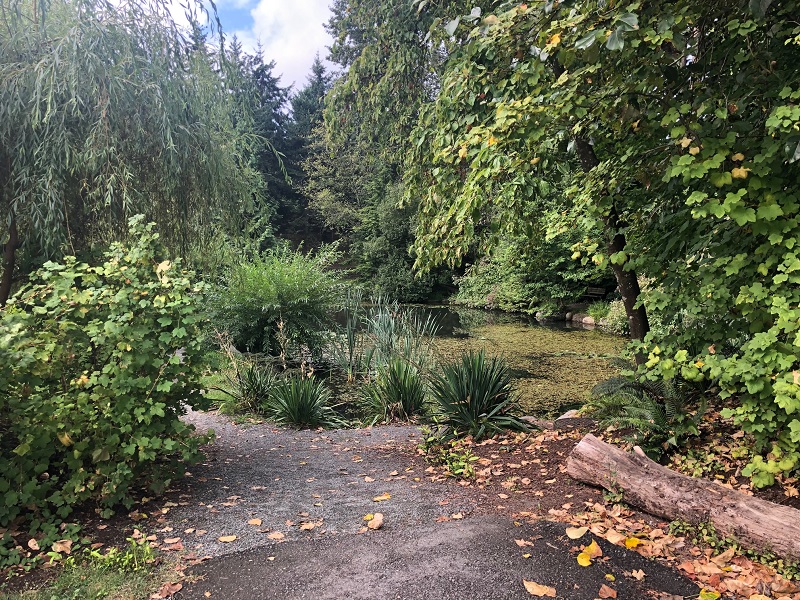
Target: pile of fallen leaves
x,y
525,473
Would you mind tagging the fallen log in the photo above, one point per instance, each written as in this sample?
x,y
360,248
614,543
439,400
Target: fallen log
x,y
756,524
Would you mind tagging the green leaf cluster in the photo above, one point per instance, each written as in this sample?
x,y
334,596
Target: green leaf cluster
x,y
99,364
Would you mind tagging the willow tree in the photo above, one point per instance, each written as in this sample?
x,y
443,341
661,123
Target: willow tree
x,y
109,109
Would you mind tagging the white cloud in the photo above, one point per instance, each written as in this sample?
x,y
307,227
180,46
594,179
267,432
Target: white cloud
x,y
291,33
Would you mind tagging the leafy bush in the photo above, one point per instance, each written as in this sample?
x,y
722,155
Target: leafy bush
x,y
398,392
659,412
598,310
475,397
303,402
278,303
99,364
616,319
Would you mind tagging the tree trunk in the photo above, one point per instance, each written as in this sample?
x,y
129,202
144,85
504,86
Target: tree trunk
x,y
755,523
9,260
626,279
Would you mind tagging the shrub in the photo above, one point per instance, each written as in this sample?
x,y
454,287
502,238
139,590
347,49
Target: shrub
x,y
249,387
278,303
598,310
303,402
659,412
398,392
475,397
99,364
616,319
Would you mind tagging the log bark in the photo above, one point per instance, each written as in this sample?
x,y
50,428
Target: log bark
x,y
755,523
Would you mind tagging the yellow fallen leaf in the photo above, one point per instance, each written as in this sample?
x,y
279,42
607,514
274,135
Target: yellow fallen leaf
x,y
694,150
593,550
610,577
738,157
739,173
758,597
226,538
382,497
369,517
584,560
276,535
535,589
207,594
632,542
255,522
574,533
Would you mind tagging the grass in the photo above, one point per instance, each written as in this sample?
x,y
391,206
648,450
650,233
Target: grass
x,y
97,580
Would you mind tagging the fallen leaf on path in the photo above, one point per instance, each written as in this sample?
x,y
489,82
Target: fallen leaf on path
x,y
523,543
376,522
174,540
457,516
309,525
33,544
226,539
584,560
167,590
632,542
382,497
606,592
638,575
535,589
276,535
368,479
574,533
255,522
614,536
593,550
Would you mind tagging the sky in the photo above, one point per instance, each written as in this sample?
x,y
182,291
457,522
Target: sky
x,y
290,31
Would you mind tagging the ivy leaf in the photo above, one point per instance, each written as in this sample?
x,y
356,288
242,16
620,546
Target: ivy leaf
x,y
451,27
587,41
759,8
615,41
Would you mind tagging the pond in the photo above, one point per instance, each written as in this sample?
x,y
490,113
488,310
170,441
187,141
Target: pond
x,y
555,366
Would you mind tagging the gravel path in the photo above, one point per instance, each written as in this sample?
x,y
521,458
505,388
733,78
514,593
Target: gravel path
x,y
311,489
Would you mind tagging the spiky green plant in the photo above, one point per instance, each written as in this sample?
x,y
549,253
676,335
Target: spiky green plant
x,y
662,414
398,392
248,388
475,397
302,402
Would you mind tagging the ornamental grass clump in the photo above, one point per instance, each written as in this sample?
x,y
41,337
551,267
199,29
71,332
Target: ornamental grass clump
x,y
398,392
475,397
301,401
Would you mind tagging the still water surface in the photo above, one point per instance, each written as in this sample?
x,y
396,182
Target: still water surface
x,y
555,365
